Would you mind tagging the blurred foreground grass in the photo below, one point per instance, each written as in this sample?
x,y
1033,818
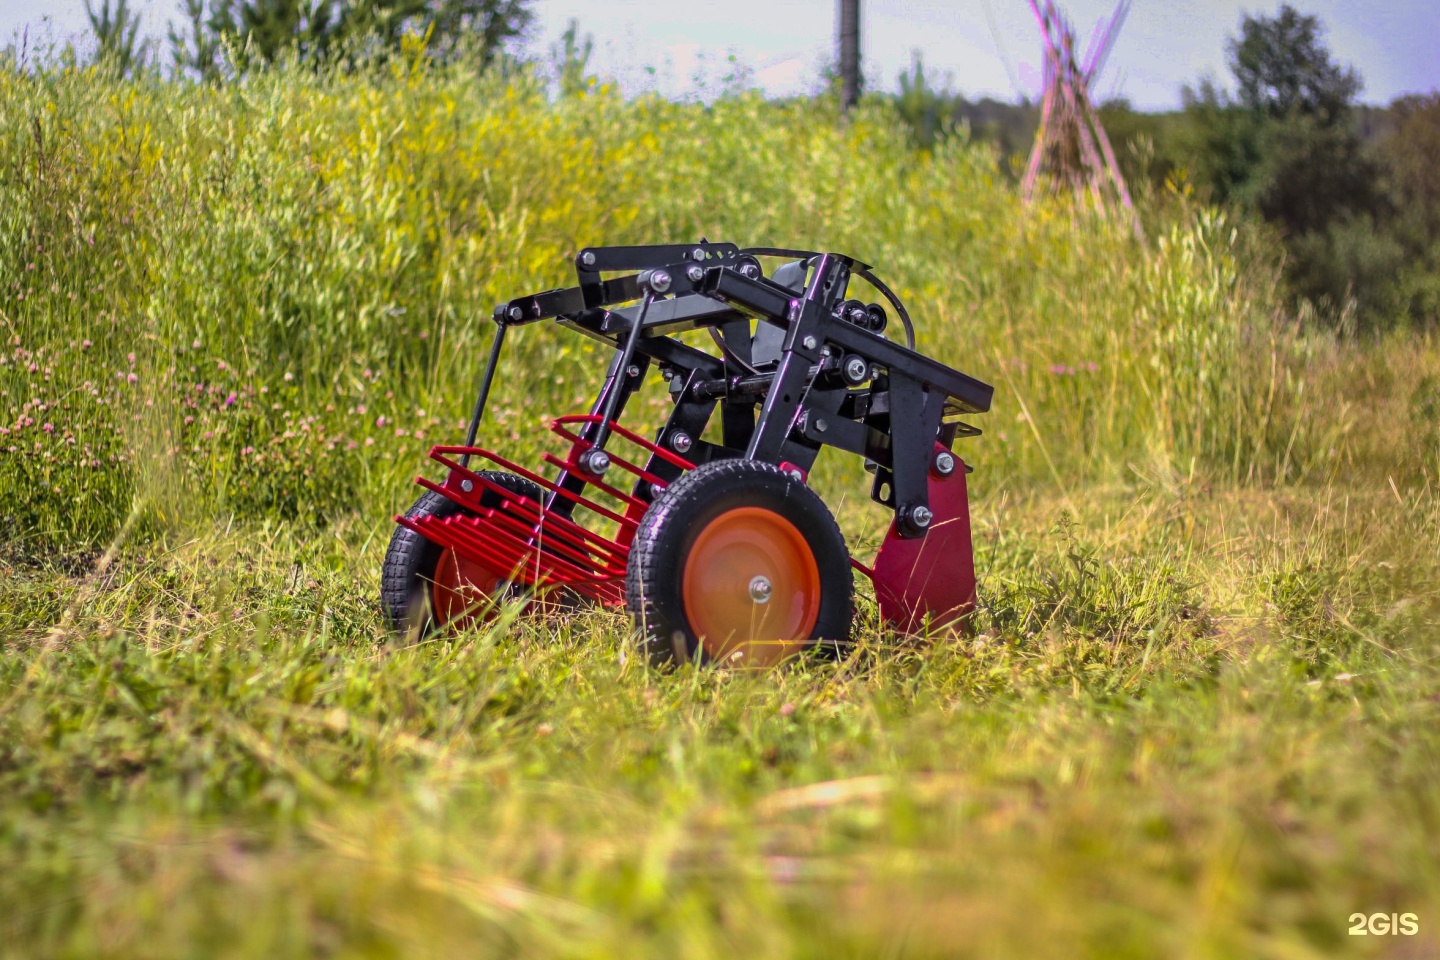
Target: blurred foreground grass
x,y
1197,717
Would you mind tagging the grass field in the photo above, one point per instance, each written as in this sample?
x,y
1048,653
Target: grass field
x,y
1197,715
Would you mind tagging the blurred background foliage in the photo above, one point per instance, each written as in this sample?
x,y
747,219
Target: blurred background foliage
x,y
259,283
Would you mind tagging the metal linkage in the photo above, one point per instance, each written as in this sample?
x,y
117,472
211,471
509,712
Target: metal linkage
x,y
801,365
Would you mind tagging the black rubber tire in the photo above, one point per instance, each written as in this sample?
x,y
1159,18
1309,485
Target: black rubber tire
x,y
411,560
653,582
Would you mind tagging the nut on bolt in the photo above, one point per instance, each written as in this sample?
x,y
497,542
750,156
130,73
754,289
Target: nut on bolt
x,y
695,272
856,370
809,342
921,517
587,258
944,463
659,281
680,441
595,461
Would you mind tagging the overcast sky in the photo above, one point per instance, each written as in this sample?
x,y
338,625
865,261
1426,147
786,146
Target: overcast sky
x,y
986,47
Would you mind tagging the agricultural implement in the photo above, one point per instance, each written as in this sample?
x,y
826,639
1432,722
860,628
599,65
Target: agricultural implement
x,y
718,547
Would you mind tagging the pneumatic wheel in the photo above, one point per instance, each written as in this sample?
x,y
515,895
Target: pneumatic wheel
x,y
738,562
424,586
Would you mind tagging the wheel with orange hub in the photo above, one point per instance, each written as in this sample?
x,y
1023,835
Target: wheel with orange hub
x,y
424,586
741,563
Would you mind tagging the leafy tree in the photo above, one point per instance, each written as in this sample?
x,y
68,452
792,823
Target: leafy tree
x,y
1287,147
117,32
254,32
1282,68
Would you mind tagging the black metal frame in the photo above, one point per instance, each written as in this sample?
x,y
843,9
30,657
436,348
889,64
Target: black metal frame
x,y
811,394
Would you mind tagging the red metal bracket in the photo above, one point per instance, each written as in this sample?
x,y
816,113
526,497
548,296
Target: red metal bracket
x,y
932,577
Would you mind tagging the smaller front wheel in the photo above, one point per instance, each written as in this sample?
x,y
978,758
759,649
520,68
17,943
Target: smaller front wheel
x,y
424,586
738,561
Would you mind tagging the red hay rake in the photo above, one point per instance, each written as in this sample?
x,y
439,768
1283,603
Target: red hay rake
x,y
719,549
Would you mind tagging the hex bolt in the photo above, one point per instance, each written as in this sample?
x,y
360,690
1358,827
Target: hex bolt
x,y
697,254
856,369
595,461
760,590
944,463
680,441
659,281
515,313
587,258
921,517
467,485
695,272
820,425
809,342
632,371
749,270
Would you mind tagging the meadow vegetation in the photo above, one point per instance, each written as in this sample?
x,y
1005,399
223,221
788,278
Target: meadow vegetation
x,y
1196,715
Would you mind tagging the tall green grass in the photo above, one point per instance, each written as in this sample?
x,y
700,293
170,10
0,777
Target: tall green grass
x,y
265,299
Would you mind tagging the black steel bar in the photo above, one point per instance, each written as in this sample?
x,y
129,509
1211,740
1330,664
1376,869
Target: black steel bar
x,y
615,394
485,381
972,395
622,364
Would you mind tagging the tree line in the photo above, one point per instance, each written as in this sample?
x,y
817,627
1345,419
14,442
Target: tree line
x,y
215,39
1352,191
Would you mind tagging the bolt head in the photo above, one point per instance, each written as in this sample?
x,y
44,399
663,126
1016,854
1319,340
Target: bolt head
x,y
749,270
809,342
695,272
680,441
632,371
921,517
515,313
761,589
944,463
659,281
656,489
587,258
697,254
467,485
821,425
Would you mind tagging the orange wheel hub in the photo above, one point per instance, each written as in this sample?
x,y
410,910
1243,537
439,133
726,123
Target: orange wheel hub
x,y
463,590
751,584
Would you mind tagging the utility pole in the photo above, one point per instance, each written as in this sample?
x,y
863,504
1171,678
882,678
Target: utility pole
x,y
849,53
